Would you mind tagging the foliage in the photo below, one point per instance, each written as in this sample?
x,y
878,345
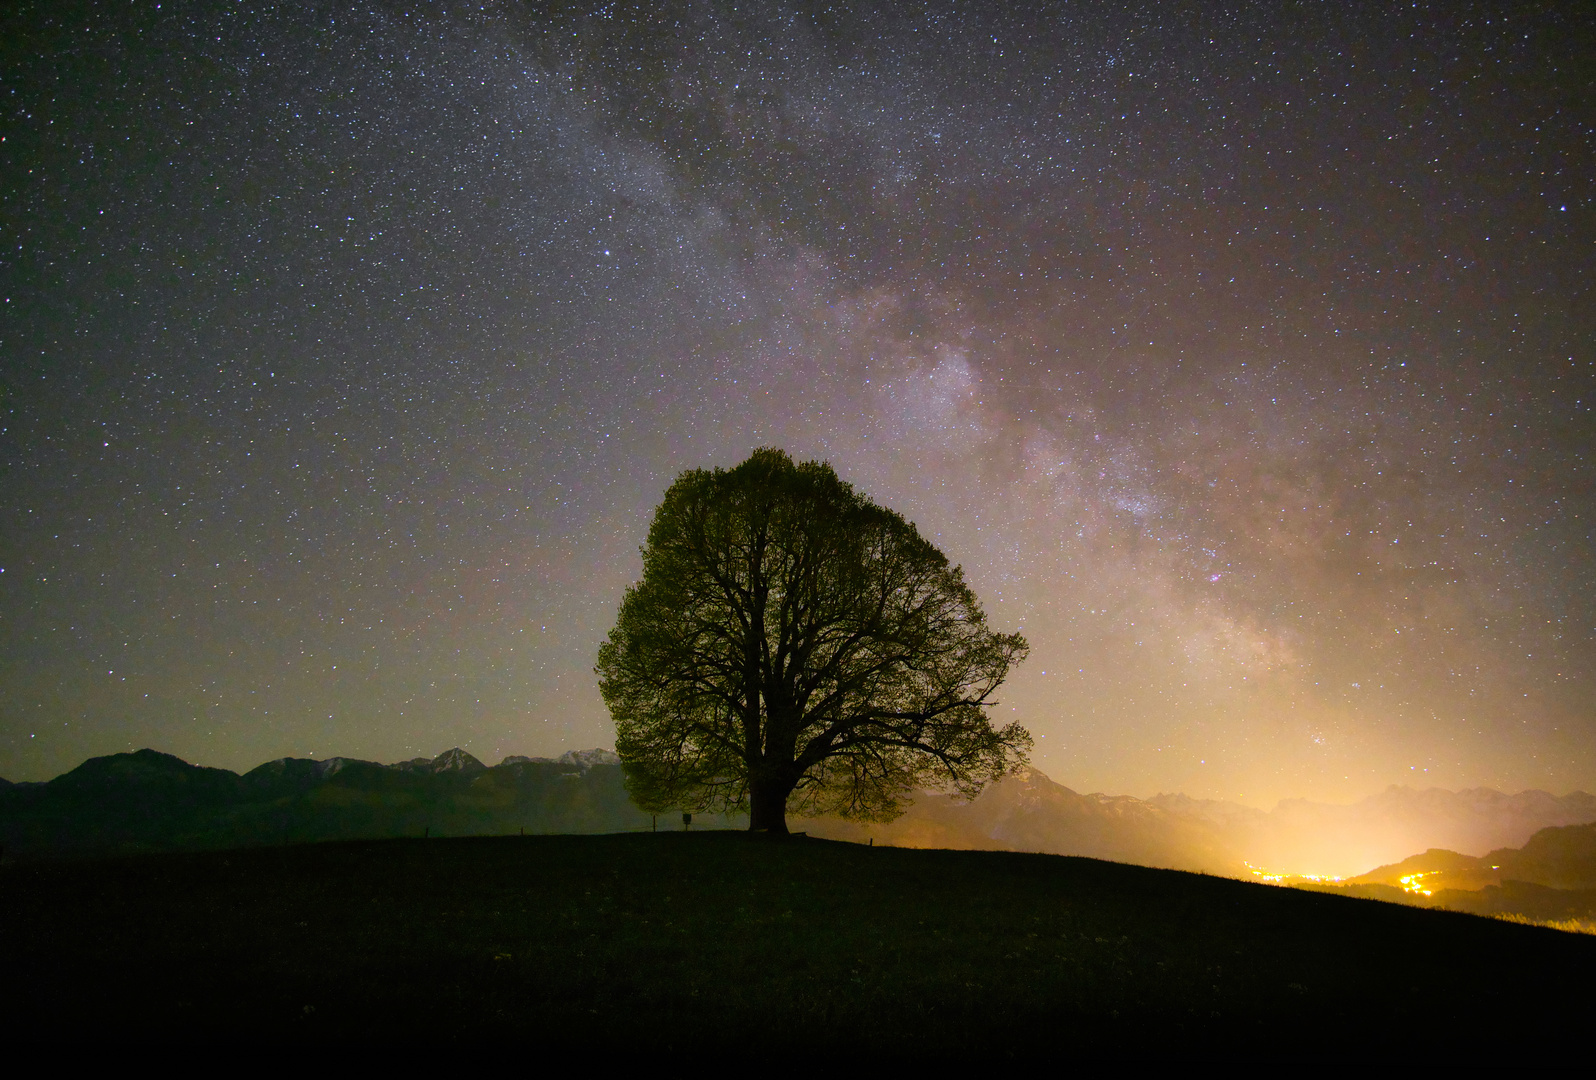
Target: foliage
x,y
790,640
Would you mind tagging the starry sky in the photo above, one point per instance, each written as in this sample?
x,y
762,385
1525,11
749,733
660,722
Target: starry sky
x,y
1242,354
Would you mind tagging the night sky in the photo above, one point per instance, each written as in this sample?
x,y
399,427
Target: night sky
x,y
1245,357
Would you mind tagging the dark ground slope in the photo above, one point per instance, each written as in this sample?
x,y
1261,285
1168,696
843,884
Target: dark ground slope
x,y
721,947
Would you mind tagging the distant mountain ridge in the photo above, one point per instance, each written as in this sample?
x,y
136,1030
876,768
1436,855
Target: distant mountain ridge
x,y
1030,812
150,801
1550,879
1558,858
1386,827
584,759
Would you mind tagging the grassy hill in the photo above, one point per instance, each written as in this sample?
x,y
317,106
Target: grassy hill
x,y
726,947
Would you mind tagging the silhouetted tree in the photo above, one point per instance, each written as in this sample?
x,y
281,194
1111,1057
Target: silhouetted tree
x,y
791,641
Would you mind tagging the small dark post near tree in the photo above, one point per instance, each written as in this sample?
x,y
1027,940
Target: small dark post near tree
x,y
794,645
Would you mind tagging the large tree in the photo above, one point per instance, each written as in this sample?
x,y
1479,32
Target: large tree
x,y
793,645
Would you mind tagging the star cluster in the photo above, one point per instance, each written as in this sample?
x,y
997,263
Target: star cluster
x,y
1242,355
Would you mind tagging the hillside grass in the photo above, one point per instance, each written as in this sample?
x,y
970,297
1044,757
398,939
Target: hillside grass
x,y
715,946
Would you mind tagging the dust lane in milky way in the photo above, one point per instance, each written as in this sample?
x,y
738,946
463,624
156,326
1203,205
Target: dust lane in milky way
x,y
1242,357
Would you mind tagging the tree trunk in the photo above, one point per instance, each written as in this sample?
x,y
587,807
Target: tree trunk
x,y
767,807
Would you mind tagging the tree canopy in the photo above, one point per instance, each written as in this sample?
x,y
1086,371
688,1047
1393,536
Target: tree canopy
x,y
793,645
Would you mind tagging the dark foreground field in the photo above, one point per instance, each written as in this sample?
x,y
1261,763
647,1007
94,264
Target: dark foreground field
x,y
713,946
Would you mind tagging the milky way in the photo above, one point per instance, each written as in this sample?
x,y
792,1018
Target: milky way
x,y
1242,356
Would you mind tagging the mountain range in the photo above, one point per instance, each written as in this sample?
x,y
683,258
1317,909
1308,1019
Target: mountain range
x,y
1030,812
1551,880
1559,858
150,801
